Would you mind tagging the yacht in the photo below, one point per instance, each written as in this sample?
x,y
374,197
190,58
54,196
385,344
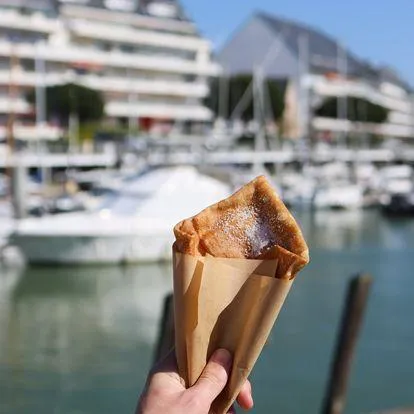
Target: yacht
x,y
323,187
339,195
133,224
397,197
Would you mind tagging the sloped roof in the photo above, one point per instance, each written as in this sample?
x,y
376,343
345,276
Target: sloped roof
x,y
323,49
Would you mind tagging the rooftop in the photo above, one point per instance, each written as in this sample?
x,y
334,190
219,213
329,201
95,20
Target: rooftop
x,y
325,51
160,8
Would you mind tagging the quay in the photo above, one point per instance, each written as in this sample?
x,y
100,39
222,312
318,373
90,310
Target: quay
x,y
278,157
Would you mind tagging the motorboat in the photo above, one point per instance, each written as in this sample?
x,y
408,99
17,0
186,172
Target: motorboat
x,y
397,197
323,187
132,224
399,205
340,195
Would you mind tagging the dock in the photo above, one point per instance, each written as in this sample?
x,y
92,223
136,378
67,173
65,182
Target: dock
x,y
278,157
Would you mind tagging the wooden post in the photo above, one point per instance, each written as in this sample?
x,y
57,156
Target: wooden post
x,y
352,317
166,332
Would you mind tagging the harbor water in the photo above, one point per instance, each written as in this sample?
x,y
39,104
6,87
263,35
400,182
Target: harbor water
x,y
77,340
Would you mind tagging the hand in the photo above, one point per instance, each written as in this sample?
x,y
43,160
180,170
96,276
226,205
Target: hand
x,y
165,392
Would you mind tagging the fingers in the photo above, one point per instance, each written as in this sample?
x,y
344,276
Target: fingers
x,y
167,368
214,377
245,398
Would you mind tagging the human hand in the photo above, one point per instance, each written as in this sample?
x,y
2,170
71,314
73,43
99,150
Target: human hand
x,y
165,392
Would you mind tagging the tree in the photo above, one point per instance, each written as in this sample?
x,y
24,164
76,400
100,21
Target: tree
x,y
358,110
64,100
240,87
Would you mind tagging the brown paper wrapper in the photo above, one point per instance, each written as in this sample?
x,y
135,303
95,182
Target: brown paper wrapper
x,y
225,303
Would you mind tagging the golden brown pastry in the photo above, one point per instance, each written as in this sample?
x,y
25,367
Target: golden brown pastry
x,y
253,223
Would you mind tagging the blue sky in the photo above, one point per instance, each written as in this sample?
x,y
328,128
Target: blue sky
x,y
381,31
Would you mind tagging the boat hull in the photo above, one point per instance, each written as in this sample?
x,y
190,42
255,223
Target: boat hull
x,y
38,249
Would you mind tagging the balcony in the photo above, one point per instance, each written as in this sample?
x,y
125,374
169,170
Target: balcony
x,y
401,118
130,35
18,106
149,87
108,83
325,87
29,79
33,132
71,54
160,111
132,19
34,23
340,125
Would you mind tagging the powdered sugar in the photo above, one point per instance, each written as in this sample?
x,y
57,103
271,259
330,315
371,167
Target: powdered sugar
x,y
246,228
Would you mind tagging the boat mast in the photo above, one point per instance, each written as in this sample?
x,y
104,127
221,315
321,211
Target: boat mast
x,y
224,89
303,85
12,94
259,118
342,67
40,108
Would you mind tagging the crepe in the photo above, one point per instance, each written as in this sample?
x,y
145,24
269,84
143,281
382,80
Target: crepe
x,y
253,223
233,266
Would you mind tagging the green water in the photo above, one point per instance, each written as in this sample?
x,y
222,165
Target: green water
x,y
80,340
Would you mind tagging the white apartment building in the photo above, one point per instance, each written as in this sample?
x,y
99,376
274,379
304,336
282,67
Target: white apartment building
x,y
146,57
318,67
390,94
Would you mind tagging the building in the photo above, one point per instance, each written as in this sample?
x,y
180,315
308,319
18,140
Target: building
x,y
318,67
146,57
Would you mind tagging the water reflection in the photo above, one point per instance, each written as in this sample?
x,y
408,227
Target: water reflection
x,y
59,323
81,339
354,229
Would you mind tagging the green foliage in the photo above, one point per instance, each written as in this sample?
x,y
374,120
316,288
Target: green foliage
x,y
358,110
238,87
62,100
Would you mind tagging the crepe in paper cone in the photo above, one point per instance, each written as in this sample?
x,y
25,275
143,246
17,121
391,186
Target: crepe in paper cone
x,y
234,264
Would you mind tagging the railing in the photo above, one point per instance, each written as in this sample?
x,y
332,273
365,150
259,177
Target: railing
x,y
135,36
73,54
161,111
108,83
403,103
36,22
341,125
25,132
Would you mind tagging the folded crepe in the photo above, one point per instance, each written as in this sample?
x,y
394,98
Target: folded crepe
x,y
234,264
251,224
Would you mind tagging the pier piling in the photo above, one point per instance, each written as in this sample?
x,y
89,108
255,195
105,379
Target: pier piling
x,y
352,317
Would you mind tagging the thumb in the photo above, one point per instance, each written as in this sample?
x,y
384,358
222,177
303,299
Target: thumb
x,y
214,377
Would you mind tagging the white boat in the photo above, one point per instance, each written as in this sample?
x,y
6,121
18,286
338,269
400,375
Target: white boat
x,y
339,196
6,220
396,179
134,224
298,189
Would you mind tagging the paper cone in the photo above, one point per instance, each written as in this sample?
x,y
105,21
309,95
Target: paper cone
x,y
225,303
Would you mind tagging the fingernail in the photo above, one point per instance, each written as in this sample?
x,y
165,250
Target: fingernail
x,y
222,357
